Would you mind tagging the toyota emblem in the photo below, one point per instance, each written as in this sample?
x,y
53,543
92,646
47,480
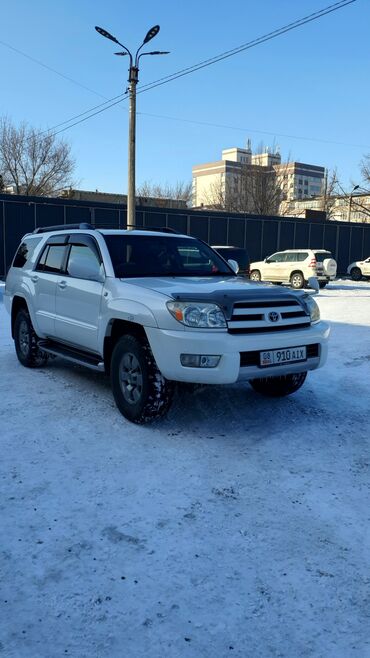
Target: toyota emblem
x,y
273,316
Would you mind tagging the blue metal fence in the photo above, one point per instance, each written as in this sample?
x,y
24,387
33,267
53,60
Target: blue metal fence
x,y
260,235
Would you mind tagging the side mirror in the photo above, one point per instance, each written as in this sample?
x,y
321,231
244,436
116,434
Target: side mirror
x,y
314,284
234,265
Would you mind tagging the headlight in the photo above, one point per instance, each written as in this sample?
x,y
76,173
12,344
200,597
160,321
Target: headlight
x,y
313,309
197,315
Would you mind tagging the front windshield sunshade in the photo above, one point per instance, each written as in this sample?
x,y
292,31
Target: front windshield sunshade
x,y
142,255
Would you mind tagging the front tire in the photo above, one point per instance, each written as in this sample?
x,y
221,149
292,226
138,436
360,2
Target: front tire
x,y
255,275
297,280
276,387
25,341
356,274
140,391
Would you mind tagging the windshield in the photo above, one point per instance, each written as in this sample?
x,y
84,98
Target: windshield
x,y
144,255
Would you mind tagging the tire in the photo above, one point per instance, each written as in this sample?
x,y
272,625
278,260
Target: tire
x,y
297,280
323,284
255,275
140,391
276,387
25,341
356,274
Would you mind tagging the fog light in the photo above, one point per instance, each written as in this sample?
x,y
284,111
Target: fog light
x,y
199,360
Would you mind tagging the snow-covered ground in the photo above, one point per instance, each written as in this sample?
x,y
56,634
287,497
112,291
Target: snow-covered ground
x,y
238,526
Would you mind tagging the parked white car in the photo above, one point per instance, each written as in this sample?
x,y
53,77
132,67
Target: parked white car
x,y
296,266
359,269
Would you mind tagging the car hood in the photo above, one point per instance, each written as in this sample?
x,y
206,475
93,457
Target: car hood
x,y
172,286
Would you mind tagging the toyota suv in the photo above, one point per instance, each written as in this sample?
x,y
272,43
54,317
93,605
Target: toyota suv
x,y
296,266
152,308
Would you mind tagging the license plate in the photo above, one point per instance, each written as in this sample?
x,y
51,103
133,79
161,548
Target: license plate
x,y
279,357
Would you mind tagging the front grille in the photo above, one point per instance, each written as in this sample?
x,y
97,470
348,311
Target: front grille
x,y
251,317
253,358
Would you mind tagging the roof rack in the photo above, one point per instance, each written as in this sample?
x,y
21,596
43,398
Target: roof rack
x,y
64,227
159,229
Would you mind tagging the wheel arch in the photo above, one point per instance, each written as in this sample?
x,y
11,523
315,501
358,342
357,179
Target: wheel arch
x,y
115,329
18,303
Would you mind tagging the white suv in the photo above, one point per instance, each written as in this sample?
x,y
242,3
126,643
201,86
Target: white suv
x,y
296,266
153,308
359,269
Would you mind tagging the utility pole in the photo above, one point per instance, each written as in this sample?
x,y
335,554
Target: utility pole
x,y
350,203
131,190
133,79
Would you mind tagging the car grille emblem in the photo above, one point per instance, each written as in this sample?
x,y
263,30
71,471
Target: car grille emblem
x,y
273,316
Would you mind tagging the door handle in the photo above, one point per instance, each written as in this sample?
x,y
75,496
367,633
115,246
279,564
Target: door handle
x,y
34,278
62,284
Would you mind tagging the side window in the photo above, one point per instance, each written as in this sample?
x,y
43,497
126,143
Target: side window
x,y
25,252
291,258
83,263
302,256
51,259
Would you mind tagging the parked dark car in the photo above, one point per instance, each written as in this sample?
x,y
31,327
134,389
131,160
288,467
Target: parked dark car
x,y
235,253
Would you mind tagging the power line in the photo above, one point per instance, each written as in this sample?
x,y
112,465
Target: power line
x,y
98,109
50,68
252,130
246,46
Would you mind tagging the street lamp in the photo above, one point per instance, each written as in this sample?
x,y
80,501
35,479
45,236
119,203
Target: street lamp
x,y
350,203
133,79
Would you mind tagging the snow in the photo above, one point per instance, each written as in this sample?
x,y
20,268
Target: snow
x,y
238,526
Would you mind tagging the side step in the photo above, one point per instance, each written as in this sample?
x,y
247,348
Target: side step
x,y
72,354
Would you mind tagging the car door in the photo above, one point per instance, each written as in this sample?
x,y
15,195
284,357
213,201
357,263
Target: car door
x,y
44,279
272,267
78,294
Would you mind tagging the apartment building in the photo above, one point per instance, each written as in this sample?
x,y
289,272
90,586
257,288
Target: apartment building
x,y
215,183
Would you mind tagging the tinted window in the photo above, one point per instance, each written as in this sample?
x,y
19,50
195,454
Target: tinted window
x,y
83,263
240,255
276,258
134,255
52,258
321,257
25,251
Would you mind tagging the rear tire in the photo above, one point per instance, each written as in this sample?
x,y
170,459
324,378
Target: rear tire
x,y
141,392
276,387
255,275
297,280
25,341
356,274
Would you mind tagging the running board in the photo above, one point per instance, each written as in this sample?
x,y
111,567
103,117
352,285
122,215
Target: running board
x,y
72,354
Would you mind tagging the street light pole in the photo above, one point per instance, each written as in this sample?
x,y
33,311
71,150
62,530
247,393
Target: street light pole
x,y
133,79
131,214
350,203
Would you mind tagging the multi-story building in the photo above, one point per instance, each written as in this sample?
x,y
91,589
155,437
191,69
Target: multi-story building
x,y
216,183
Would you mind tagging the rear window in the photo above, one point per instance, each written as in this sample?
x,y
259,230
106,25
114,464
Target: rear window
x,y
25,252
321,257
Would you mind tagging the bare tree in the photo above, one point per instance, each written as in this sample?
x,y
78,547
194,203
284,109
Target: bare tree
x,y
34,163
255,189
179,190
365,169
330,192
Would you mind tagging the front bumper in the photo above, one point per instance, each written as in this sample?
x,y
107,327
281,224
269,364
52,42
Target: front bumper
x,y
168,345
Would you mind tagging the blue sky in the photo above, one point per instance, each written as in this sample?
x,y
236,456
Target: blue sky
x,y
309,83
